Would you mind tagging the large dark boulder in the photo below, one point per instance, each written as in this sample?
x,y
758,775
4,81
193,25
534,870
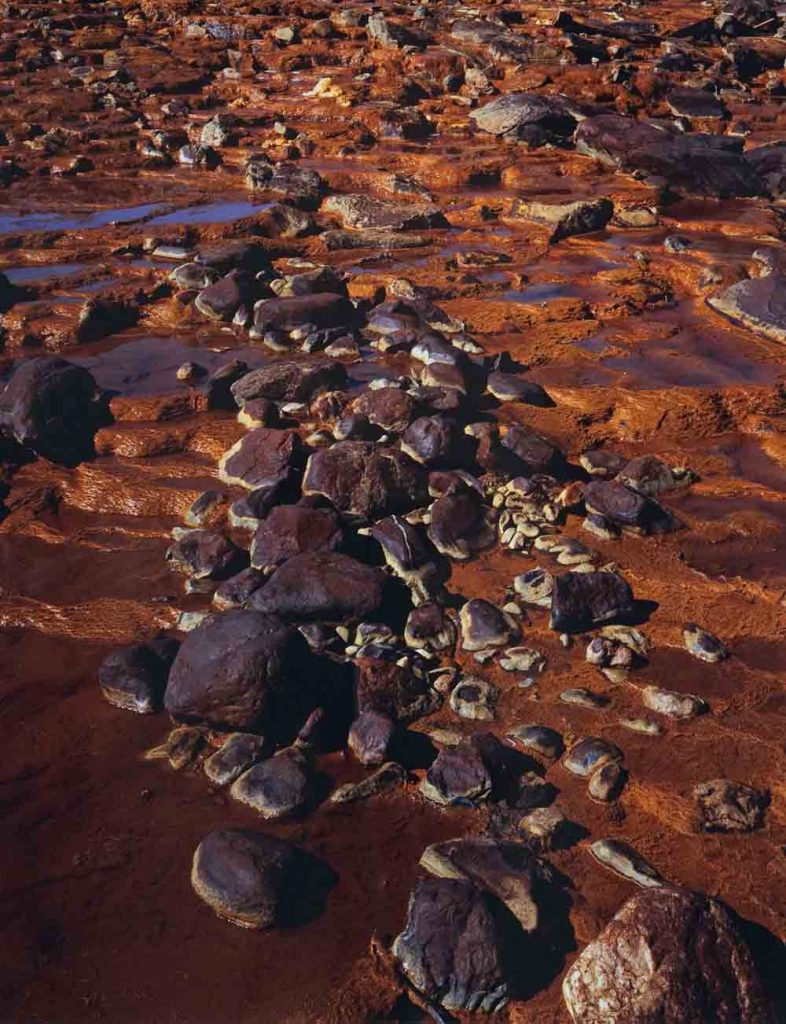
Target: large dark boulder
x,y
287,380
668,956
241,670
322,310
257,881
290,530
54,408
694,164
322,586
528,116
263,458
366,480
450,947
581,600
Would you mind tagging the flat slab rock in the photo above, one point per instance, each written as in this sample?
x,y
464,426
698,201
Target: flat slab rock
x,y
518,113
366,480
257,881
668,955
322,586
288,380
450,949
361,211
262,458
759,305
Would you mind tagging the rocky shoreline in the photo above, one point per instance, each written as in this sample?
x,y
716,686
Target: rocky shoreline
x,y
393,423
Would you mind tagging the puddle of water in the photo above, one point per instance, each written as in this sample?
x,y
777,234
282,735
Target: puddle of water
x,y
543,292
14,222
210,213
42,272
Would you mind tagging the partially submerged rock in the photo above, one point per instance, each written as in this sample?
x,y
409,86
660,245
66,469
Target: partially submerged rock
x,y
279,787
134,678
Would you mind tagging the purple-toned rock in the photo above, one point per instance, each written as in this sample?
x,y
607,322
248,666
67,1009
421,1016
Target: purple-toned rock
x,y
290,381
263,458
205,555
290,530
134,678
581,600
370,736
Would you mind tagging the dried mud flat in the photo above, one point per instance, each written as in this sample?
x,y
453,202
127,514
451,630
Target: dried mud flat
x,y
575,295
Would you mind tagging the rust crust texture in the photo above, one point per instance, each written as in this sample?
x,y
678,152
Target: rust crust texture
x,y
393,512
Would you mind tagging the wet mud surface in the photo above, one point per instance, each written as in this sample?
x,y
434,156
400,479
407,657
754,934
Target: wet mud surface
x,y
99,922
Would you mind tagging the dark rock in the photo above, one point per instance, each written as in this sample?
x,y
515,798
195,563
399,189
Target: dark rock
x,y
241,670
393,690
366,480
388,408
460,526
581,600
54,408
769,164
450,948
322,586
370,736
484,625
372,238
134,678
668,955
432,441
758,304
290,381
362,211
705,165
430,628
509,387
219,385
299,186
627,507
257,881
293,530
238,752
279,787
727,806
697,103
462,774
566,219
222,299
533,451
263,458
323,310
205,555
527,116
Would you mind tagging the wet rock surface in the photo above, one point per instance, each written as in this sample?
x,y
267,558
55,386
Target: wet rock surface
x,y
368,317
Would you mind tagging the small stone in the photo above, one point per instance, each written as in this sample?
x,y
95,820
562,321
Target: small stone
x,y
370,736
180,748
134,678
461,774
474,698
236,754
277,788
535,587
586,756
201,509
702,644
544,824
484,625
625,861
539,738
607,782
642,725
522,659
388,776
584,698
675,705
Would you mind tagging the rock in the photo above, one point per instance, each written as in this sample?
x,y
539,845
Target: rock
x,y
222,299
527,116
290,530
626,507
388,408
507,870
236,754
704,165
279,787
509,387
290,381
412,557
388,776
727,806
366,480
257,881
372,238
460,775
363,211
483,625
460,526
535,587
241,670
769,163
647,475
205,555
607,782
234,592
583,697
625,861
580,601
263,458
134,678
758,304
566,219
449,948
671,956
430,628
322,310
292,183
432,441
695,103
54,409
675,705
702,644
398,691
522,659
532,451
602,463
589,754
538,738
181,747
370,736
204,508
389,33
322,586
219,385
474,698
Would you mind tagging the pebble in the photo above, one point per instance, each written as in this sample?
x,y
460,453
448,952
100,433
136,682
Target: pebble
x,y
387,776
237,753
180,748
522,659
607,782
589,754
702,644
642,725
474,698
675,705
534,587
584,698
544,741
625,861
